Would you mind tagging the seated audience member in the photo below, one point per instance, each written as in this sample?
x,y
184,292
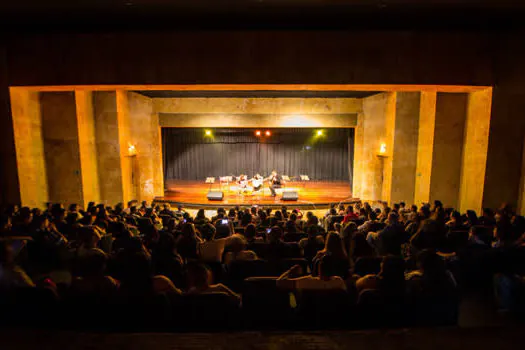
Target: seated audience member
x,y
503,235
5,225
350,215
368,225
455,223
167,210
250,234
188,242
432,234
334,248
277,248
89,237
487,218
212,248
22,226
137,279
179,213
90,217
312,245
362,214
472,218
389,281
327,279
291,224
389,240
431,279
359,247
200,218
200,282
92,280
341,210
232,214
264,219
237,244
11,275
413,223
166,260
221,214
246,219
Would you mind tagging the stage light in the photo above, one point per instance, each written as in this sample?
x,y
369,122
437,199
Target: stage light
x,y
268,133
208,132
319,132
258,133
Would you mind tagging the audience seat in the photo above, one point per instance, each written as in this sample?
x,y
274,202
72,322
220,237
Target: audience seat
x,y
377,310
325,308
278,267
367,266
265,305
209,311
294,237
239,270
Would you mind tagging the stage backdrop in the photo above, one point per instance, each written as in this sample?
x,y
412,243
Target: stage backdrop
x,y
191,155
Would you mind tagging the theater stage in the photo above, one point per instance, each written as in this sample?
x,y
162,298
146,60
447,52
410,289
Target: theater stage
x,y
312,195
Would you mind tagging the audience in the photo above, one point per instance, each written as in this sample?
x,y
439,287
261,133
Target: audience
x,y
145,250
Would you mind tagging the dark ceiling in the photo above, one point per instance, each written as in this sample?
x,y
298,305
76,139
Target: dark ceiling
x,y
23,15
251,94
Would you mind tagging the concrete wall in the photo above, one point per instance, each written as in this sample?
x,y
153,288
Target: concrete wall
x,y
257,112
108,147
448,147
61,147
145,135
405,146
30,161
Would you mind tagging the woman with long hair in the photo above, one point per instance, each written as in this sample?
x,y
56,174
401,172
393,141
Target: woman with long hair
x,y
334,247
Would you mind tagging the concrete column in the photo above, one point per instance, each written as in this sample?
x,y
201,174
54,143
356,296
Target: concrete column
x,y
29,145
127,161
475,146
448,147
390,133
87,146
405,143
61,146
425,148
108,147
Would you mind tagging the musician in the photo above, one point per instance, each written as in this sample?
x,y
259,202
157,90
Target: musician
x,y
243,183
276,181
257,182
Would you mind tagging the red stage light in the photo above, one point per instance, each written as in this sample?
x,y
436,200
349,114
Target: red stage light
x,y
268,133
258,133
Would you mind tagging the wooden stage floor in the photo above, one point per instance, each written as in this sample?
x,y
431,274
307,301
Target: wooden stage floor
x,y
311,195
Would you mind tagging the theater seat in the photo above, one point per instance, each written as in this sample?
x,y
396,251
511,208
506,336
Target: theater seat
x,y
326,308
294,237
367,266
263,304
376,310
208,311
239,270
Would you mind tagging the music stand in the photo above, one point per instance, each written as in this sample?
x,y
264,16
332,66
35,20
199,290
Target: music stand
x,y
304,179
210,180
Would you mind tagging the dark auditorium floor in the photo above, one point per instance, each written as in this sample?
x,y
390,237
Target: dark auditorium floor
x,y
500,338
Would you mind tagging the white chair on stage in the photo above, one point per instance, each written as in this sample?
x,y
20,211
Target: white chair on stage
x,y
304,179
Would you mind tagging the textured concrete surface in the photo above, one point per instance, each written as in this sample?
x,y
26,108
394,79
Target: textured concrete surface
x,y
448,147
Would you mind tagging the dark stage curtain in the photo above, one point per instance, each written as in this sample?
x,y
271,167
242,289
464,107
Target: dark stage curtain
x,y
190,155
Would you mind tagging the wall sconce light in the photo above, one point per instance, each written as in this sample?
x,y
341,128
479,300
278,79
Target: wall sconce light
x,y
382,149
132,150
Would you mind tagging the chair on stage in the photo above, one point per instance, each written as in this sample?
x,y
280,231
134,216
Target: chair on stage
x,y
210,180
304,179
226,181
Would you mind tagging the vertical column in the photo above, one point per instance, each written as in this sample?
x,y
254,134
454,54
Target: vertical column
x,y
425,148
127,161
521,200
359,159
29,146
62,152
390,127
87,146
475,148
448,147
108,147
404,156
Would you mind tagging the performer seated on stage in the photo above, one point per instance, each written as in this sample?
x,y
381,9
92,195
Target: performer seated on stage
x,y
276,181
257,182
243,183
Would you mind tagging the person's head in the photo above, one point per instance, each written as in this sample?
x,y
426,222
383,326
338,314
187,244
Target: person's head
x,y
372,216
73,208
276,234
237,243
393,218
413,208
274,172
40,222
188,231
223,230
166,206
250,232
89,236
424,212
26,216
246,219
472,217
199,276
94,264
293,217
208,232
392,267
430,263
221,211
278,215
488,213
200,214
253,210
396,207
333,211
402,205
144,204
455,217
334,245
166,244
342,208
327,267
290,226
231,213
349,209
350,229
312,231
309,215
